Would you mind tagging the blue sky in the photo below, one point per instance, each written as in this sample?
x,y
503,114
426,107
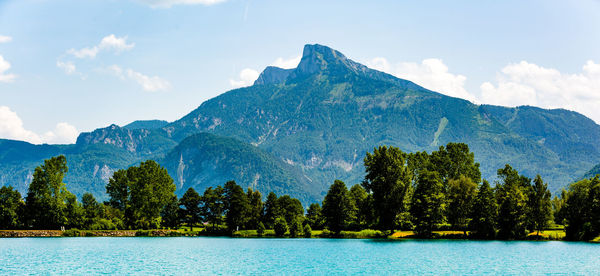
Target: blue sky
x,y
68,66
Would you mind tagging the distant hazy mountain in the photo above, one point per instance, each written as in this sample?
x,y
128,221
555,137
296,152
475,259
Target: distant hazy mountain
x,y
296,130
593,172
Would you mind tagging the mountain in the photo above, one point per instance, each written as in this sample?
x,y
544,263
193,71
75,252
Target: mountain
x,y
330,110
203,160
146,124
593,172
299,129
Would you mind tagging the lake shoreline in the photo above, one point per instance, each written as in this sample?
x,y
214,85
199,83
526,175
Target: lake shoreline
x,y
401,235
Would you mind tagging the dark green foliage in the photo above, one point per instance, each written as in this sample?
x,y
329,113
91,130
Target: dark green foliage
x,y
461,194
11,208
141,193
191,212
453,161
388,178
428,203
255,211
337,207
93,210
580,210
512,196
47,197
74,212
280,226
171,214
314,216
272,210
362,212
260,230
307,231
484,213
236,206
540,205
290,208
213,206
296,228
558,210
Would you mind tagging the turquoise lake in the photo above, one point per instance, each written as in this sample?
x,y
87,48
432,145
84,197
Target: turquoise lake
x,y
204,255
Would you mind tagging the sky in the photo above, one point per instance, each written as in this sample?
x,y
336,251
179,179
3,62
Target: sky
x,y
71,66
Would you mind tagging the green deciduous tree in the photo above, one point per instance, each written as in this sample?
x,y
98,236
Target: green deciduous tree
x,y
578,210
236,206
512,196
361,207
296,228
92,209
484,213
272,210
428,203
47,195
213,205
256,208
388,178
337,207
307,231
171,214
290,208
314,216
280,226
11,208
141,193
540,205
191,212
454,160
461,194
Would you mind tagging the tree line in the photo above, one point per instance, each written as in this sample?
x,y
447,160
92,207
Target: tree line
x,y
421,191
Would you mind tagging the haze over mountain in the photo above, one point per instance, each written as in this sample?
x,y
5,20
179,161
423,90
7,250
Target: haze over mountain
x,y
296,130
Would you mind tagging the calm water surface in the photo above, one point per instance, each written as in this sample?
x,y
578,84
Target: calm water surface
x,y
202,255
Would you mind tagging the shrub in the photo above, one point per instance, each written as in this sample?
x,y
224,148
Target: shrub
x,y
74,232
295,229
307,231
280,227
261,229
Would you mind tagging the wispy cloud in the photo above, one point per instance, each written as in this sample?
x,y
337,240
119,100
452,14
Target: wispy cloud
x,y
5,39
108,43
4,66
170,3
148,83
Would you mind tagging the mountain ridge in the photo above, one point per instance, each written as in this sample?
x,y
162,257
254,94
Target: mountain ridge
x,y
323,116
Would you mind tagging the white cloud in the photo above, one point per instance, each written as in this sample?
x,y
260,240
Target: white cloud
x,y
5,39
148,83
11,127
287,63
4,66
108,43
247,78
68,66
431,73
526,83
169,3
